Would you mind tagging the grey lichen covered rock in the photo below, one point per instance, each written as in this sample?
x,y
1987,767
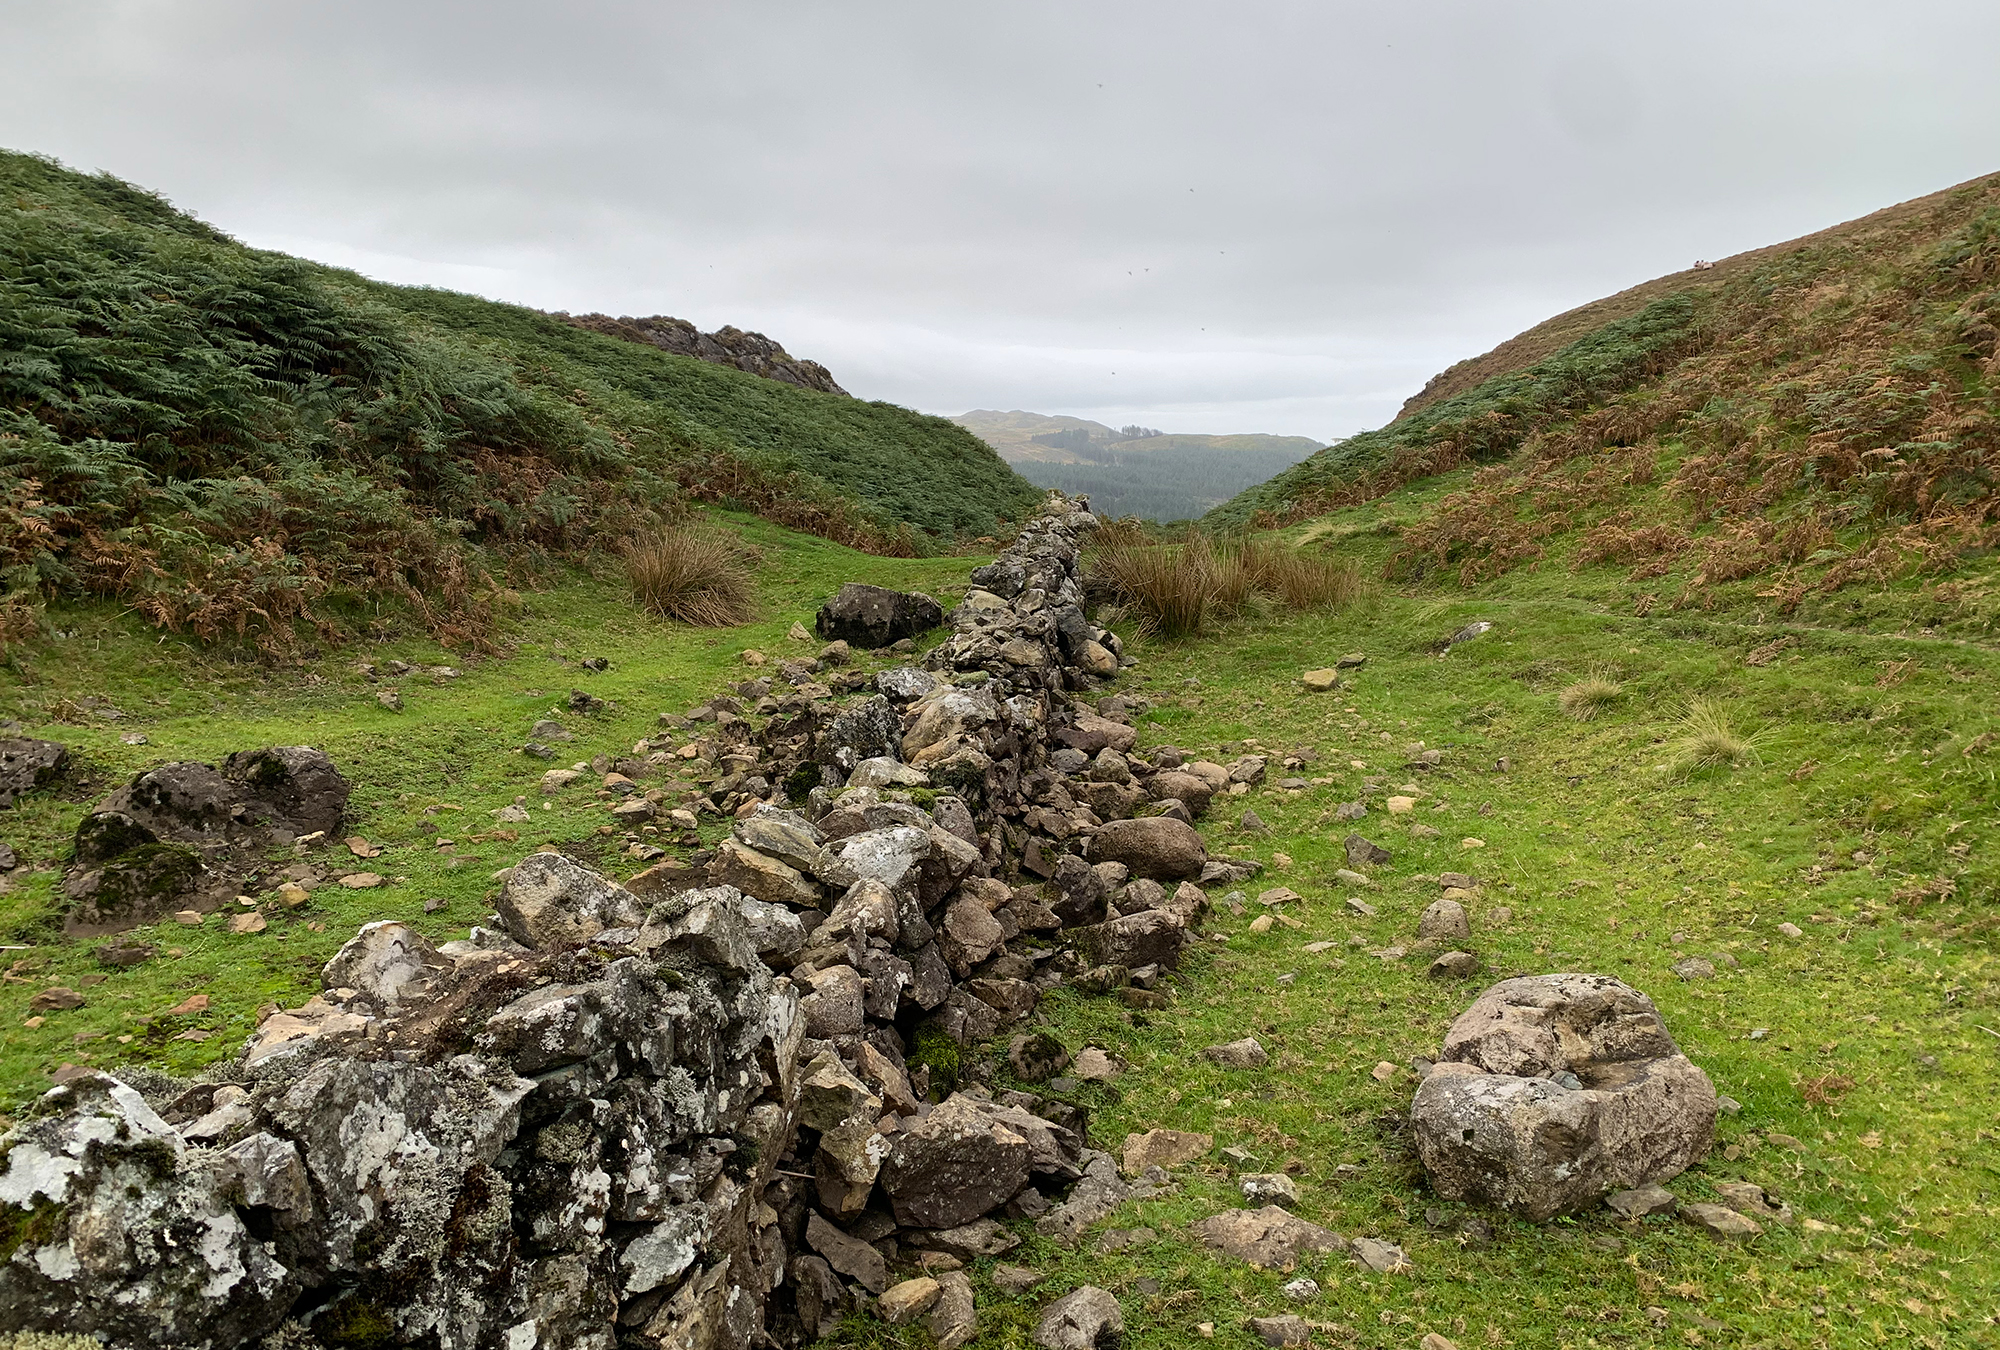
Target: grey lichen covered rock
x,y
1552,1091
874,617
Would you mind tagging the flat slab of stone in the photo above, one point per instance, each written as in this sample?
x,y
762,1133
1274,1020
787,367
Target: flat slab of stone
x,y
1267,1237
1720,1221
1642,1202
1162,1148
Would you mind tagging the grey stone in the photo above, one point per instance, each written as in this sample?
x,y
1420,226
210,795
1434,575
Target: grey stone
x,y
1267,1237
1444,921
1247,1053
1642,1202
850,1256
550,901
1492,1123
953,1165
1084,1319
1156,848
874,617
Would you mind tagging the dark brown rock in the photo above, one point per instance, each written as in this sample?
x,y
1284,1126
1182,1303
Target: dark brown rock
x,y
953,1166
1158,848
872,616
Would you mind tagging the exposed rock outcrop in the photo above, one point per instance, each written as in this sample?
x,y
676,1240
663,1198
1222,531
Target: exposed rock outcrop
x,y
726,346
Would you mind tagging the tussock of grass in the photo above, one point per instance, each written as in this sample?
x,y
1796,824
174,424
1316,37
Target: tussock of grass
x,y
1176,589
1589,697
1709,740
694,574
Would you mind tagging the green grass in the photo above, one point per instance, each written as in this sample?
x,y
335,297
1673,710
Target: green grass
x,y
1609,863
1872,787
239,443
435,770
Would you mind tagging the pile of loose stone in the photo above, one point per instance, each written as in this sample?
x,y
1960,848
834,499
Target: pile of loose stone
x,y
715,1105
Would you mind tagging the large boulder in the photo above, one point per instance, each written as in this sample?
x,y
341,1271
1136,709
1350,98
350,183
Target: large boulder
x,y
1156,847
1551,1091
190,834
872,616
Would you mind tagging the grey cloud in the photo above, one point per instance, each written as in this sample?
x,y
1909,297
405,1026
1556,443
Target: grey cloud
x,y
1277,217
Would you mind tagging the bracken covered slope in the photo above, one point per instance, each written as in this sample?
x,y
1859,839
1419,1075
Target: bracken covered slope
x,y
1795,419
232,440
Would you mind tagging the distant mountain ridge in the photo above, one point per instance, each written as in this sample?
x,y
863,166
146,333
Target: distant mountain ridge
x,y
1134,470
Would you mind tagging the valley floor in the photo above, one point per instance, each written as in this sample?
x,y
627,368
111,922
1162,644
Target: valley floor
x,y
1865,1051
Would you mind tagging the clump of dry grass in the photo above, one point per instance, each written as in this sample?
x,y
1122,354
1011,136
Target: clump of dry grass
x,y
1589,696
1176,589
1709,740
694,574
1298,579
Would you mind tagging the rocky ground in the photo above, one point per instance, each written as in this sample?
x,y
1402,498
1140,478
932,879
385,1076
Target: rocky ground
x,y
1225,1145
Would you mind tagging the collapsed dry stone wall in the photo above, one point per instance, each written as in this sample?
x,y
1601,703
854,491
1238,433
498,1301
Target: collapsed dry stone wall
x,y
720,1104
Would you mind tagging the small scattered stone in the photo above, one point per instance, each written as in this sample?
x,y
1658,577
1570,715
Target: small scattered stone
x,y
1094,1066
1347,877
56,998
908,1301
1693,968
252,922
1384,1072
1014,1279
189,917
1300,1290
1320,681
362,881
1721,1222
1399,805
1285,1329
1269,1188
1433,1341
1384,1258
1642,1202
1454,966
1791,930
1162,1148
193,1003
1244,1054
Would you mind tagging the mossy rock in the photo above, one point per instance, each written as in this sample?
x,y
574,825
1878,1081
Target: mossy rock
x,y
141,885
934,1049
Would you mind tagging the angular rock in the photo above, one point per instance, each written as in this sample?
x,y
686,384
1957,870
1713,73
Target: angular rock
x,y
908,1301
27,764
1082,893
1084,1319
1149,938
1444,921
1363,853
549,901
833,1005
1269,1188
1384,1258
952,1166
1720,1221
1642,1202
385,961
1493,1121
1283,1330
1454,966
784,835
953,1320
891,856
848,1255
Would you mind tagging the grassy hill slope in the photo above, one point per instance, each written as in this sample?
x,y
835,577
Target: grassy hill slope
x,y
232,440
1824,413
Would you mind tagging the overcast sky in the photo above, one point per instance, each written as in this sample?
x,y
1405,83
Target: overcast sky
x,y
1201,217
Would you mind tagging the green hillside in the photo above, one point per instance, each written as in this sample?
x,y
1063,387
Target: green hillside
x,y
232,440
1799,419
